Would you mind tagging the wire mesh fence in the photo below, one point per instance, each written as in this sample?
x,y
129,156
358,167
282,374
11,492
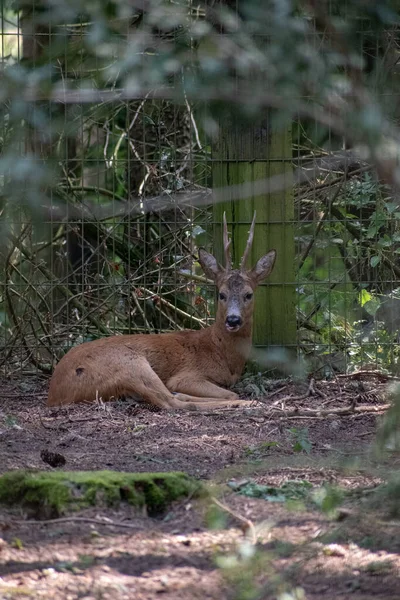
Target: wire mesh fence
x,y
129,203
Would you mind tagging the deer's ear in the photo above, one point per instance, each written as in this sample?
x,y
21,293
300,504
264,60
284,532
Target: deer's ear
x,y
263,267
209,264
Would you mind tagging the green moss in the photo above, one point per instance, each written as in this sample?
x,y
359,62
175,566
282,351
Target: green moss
x,y
50,494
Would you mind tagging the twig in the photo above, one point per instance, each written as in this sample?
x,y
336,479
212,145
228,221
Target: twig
x,y
322,219
311,391
84,419
306,413
63,289
18,242
270,395
383,377
78,520
248,525
141,311
35,395
59,427
36,312
334,411
175,309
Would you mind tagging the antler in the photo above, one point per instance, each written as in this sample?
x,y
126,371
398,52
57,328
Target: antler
x,y
227,243
249,244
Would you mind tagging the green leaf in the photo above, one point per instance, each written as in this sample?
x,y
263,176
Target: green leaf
x,y
363,297
302,445
375,260
290,490
372,306
328,498
391,206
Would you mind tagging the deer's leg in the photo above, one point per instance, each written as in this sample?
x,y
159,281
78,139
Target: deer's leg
x,y
146,384
206,403
199,388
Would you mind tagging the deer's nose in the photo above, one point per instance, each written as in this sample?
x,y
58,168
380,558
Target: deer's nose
x,y
233,320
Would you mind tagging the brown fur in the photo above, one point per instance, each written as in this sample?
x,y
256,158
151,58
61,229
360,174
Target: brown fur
x,y
173,370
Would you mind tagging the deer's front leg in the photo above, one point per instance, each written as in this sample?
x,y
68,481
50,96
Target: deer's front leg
x,y
201,388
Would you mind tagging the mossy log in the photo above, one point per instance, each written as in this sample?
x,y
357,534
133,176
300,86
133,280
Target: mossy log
x,y
45,495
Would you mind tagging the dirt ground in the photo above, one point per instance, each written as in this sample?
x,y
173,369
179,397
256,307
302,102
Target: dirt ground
x,y
104,553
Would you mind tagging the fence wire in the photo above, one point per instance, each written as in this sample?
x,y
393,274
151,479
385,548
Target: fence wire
x,y
115,250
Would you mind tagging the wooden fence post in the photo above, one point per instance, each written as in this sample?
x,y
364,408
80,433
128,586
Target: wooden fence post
x,y
245,154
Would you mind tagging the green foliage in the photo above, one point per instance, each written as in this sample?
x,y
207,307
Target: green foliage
x,y
290,490
216,518
328,499
295,494
243,569
251,575
352,308
302,442
259,451
17,543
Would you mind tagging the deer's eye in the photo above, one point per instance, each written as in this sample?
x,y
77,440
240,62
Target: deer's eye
x,y
222,296
248,296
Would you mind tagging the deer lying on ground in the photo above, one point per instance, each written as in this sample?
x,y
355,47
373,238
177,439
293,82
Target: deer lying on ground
x,y
182,369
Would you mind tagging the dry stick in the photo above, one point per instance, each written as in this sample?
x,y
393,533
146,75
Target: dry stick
x,y
334,411
79,520
95,190
30,395
59,427
62,424
311,391
168,317
322,219
141,311
39,317
307,413
179,311
88,312
29,284
331,183
10,344
176,237
313,239
15,319
194,277
248,524
42,246
63,289
365,372
271,394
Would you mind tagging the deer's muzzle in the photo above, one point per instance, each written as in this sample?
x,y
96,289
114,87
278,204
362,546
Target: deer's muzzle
x,y
233,322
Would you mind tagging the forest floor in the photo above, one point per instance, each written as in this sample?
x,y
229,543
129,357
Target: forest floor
x,y
200,548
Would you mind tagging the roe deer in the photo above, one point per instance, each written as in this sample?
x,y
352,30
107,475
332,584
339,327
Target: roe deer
x,y
182,369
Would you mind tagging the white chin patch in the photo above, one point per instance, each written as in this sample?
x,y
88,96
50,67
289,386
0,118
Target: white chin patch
x,y
232,329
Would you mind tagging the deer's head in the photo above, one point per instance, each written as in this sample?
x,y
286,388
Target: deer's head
x,y
236,286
